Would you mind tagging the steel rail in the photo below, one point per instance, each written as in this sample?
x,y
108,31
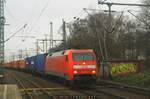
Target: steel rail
x,y
97,92
120,86
110,94
49,89
22,85
38,86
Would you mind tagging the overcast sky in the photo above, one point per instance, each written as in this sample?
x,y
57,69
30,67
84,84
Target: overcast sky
x,y
37,14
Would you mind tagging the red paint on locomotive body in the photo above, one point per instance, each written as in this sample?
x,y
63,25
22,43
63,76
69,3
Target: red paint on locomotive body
x,y
72,64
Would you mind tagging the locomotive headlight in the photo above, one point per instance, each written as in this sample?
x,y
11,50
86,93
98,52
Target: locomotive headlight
x,y
93,71
77,66
75,72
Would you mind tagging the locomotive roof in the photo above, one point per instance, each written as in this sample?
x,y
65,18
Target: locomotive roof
x,y
77,50
80,50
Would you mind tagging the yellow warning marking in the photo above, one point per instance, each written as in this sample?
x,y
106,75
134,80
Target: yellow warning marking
x,y
39,89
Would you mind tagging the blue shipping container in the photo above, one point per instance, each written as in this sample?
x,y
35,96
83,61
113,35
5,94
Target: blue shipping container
x,y
40,62
30,63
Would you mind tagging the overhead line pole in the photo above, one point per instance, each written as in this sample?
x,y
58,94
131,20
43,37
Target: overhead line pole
x,y
2,23
64,34
97,35
123,4
109,4
37,49
119,4
51,35
44,44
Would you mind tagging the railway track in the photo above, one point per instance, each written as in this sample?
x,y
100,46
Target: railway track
x,y
99,94
30,88
34,88
135,91
94,93
120,86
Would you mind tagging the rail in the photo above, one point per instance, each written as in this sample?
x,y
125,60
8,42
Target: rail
x,y
21,80
120,86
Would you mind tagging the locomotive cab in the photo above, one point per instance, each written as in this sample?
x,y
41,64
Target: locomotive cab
x,y
72,65
84,67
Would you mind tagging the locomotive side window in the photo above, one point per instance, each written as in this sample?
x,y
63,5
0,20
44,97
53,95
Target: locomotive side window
x,y
83,56
49,55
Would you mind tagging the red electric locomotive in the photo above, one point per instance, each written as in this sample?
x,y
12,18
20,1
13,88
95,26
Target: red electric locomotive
x,y
73,65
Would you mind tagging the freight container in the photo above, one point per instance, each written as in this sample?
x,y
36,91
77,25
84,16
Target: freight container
x,y
14,64
22,64
6,65
17,64
40,63
10,65
30,63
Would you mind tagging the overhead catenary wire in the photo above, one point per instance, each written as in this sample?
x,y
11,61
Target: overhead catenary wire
x,y
110,4
114,27
123,4
79,14
41,12
15,33
10,13
103,37
99,39
102,11
138,18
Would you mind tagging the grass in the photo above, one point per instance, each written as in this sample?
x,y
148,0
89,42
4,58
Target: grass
x,y
139,79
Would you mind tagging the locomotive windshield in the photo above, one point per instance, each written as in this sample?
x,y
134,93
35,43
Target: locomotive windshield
x,y
83,56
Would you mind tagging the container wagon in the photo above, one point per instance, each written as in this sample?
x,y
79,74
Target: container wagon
x,y
22,64
30,63
40,63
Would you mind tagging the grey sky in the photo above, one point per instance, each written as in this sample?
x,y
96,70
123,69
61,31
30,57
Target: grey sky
x,y
20,12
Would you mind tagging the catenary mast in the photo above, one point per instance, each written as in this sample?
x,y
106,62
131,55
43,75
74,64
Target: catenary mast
x,y
2,22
